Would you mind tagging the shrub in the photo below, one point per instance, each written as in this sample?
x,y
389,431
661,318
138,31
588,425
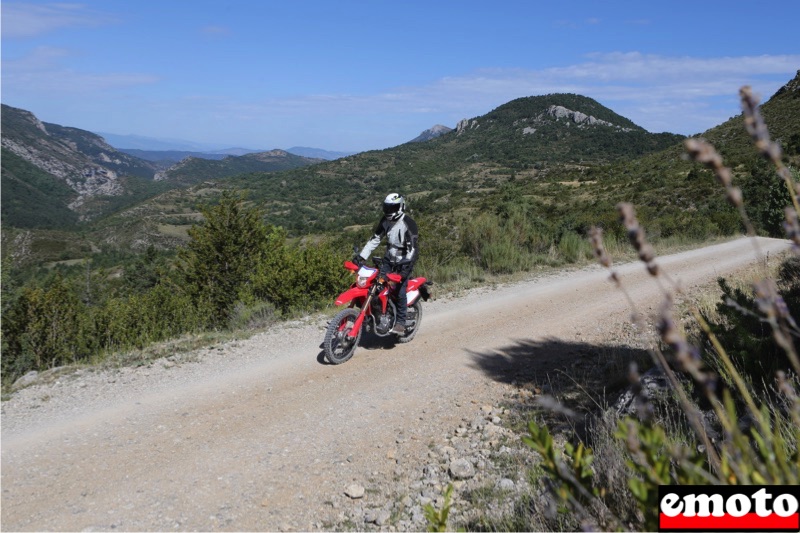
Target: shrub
x,y
45,327
747,337
766,198
573,248
141,319
294,278
219,261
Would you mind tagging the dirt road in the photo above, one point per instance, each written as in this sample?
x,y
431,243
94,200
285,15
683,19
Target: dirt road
x,y
262,435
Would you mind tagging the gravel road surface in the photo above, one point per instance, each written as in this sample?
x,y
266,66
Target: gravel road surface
x,y
261,434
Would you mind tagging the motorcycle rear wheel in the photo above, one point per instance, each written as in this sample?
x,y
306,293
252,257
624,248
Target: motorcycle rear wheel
x,y
412,322
338,345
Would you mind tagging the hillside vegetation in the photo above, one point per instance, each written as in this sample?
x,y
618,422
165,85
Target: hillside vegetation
x,y
193,170
507,192
67,169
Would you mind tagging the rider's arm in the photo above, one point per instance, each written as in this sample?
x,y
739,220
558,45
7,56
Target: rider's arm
x,y
411,238
374,242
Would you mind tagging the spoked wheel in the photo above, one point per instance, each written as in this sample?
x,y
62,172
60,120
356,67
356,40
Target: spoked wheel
x,y
338,345
413,318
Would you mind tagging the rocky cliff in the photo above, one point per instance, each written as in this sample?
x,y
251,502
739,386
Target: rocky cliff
x,y
81,159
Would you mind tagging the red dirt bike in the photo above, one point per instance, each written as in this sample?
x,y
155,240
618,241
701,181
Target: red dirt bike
x,y
371,308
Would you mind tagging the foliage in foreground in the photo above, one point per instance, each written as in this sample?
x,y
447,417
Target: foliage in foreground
x,y
232,263
764,450
759,428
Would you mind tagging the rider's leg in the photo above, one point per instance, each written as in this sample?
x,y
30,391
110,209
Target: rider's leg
x,y
402,302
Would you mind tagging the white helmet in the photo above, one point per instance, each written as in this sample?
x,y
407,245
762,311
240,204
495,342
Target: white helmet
x,y
394,206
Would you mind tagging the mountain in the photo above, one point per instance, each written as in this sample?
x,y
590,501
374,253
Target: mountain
x,y
48,163
34,198
159,150
431,133
523,141
561,161
166,158
558,128
673,195
140,142
193,170
317,153
54,176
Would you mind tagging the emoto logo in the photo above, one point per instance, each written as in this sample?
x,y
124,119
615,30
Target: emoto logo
x,y
729,508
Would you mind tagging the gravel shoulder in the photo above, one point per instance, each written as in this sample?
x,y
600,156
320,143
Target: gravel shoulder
x,y
261,434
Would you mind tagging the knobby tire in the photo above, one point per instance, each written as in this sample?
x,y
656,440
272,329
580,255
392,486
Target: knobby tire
x,y
338,347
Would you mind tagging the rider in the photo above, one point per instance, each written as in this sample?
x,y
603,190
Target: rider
x,y
401,235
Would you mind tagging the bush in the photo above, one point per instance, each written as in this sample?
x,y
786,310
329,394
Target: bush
x,y
294,278
141,319
767,197
46,327
219,262
747,337
573,248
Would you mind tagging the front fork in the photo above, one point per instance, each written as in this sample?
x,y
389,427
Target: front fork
x,y
375,289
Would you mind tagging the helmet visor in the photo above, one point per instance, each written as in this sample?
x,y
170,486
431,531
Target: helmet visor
x,y
391,209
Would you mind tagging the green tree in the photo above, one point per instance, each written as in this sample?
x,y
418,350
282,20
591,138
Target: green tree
x,y
767,198
145,272
219,262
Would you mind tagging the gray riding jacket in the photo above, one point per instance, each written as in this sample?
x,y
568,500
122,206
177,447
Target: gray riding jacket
x,y
401,238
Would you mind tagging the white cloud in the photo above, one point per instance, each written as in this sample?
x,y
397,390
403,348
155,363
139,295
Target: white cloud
x,y
21,20
654,89
678,94
660,93
41,71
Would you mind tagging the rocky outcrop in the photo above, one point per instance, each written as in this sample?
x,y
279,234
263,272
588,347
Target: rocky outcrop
x,y
792,87
466,124
432,133
567,116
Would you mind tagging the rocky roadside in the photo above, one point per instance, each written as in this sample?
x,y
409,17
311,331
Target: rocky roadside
x,y
484,461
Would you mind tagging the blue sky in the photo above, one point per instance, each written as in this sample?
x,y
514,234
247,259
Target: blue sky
x,y
354,75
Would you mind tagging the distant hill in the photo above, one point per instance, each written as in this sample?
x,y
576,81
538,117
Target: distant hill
x,y
54,176
559,128
561,161
675,196
166,158
521,141
317,153
431,133
193,170
141,142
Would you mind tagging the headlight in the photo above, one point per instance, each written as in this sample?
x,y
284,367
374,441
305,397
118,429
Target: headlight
x,y
361,281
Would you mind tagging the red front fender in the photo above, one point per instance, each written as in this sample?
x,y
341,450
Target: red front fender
x,y
351,294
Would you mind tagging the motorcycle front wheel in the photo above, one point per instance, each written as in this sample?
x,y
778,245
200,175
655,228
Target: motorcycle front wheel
x,y
338,345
